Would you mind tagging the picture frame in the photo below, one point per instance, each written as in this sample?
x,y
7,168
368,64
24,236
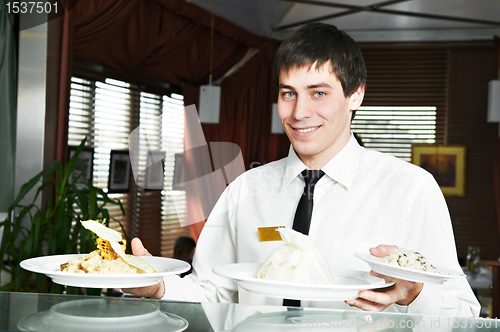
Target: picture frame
x,y
446,163
155,171
84,167
177,181
120,170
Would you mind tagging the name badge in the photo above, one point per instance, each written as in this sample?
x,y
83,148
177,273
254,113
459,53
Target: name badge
x,y
269,233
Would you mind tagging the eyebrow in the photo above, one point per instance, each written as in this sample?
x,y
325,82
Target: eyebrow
x,y
312,86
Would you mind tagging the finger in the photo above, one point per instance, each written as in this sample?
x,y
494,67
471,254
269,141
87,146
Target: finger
x,y
366,305
386,298
382,250
142,291
378,275
138,248
383,276
148,291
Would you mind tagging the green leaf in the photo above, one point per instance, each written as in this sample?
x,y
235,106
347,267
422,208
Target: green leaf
x,y
25,188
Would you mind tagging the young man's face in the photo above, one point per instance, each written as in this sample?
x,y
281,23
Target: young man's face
x,y
315,114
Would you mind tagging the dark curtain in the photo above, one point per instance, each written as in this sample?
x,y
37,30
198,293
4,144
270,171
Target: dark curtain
x,y
65,31
169,40
247,98
158,39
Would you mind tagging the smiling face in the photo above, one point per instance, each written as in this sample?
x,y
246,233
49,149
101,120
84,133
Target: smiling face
x,y
315,113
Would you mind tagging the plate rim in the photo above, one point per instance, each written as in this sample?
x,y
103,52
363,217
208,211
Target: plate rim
x,y
26,264
100,280
380,284
43,314
370,259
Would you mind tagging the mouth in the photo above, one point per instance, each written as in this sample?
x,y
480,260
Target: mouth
x,y
306,130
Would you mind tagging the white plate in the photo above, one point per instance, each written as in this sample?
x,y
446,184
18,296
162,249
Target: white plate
x,y
100,314
347,284
302,321
407,273
50,266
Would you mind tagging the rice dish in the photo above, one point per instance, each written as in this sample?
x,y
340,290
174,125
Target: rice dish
x,y
95,263
109,258
409,259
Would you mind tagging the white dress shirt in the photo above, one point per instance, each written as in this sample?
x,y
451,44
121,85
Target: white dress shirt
x,y
365,199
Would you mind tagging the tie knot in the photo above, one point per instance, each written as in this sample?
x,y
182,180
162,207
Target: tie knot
x,y
311,176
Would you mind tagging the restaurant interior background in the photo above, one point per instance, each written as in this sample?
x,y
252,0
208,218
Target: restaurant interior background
x,y
418,53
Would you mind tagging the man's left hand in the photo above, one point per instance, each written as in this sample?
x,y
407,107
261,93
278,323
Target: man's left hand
x,y
403,292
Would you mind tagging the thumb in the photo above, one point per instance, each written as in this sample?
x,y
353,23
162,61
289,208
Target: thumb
x,y
382,250
138,248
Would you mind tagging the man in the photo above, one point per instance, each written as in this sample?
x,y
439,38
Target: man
x,y
364,200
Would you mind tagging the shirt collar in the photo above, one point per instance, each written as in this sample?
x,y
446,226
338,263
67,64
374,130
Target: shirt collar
x,y
341,168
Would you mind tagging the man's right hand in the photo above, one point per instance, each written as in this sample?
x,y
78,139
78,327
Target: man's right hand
x,y
155,291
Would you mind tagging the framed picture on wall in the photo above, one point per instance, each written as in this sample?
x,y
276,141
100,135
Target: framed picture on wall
x,y
155,170
84,166
119,172
177,181
446,163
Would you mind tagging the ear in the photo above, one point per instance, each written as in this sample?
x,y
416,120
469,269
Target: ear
x,y
356,98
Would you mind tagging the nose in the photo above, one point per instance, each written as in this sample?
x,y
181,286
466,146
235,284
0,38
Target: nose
x,y
302,108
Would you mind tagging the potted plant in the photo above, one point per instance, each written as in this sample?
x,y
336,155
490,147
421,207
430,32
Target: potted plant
x,y
54,229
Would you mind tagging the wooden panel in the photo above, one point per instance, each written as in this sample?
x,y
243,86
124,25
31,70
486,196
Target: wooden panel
x,y
474,216
454,78
408,76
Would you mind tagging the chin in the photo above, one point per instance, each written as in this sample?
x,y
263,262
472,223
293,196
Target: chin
x,y
306,151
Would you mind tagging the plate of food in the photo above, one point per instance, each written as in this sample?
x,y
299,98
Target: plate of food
x,y
298,270
409,265
346,283
106,267
51,266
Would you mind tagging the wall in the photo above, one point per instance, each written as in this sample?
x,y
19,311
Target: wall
x,y
8,98
474,216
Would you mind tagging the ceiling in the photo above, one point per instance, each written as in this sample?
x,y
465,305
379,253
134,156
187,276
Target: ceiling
x,y
366,20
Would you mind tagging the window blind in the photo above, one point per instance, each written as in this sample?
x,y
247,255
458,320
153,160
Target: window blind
x,y
100,111
405,98
106,111
174,208
393,129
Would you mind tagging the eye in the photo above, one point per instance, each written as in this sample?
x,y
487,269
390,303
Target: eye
x,y
319,94
288,94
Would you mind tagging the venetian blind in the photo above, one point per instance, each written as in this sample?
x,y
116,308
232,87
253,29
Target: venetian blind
x,y
405,99
106,112
393,129
100,111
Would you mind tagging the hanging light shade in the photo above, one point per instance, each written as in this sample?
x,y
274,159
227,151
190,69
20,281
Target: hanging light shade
x,y
209,104
494,101
210,94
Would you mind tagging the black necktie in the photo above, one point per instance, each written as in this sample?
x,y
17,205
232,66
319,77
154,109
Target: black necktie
x,y
302,220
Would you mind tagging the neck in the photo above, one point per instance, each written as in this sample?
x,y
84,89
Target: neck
x,y
317,161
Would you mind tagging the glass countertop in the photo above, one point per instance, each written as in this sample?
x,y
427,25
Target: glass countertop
x,y
48,312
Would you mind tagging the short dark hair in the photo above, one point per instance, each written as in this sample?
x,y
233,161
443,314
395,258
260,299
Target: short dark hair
x,y
183,247
319,42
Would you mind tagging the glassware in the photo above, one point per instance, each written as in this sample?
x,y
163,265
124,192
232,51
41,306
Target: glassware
x,y
473,257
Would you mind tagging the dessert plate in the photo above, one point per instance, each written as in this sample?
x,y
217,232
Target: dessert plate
x,y
347,283
409,274
50,266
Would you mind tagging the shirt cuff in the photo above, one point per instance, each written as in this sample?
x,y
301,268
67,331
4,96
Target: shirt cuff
x,y
427,302
402,309
171,284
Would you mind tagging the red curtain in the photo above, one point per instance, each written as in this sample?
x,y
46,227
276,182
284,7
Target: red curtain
x,y
169,40
165,40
